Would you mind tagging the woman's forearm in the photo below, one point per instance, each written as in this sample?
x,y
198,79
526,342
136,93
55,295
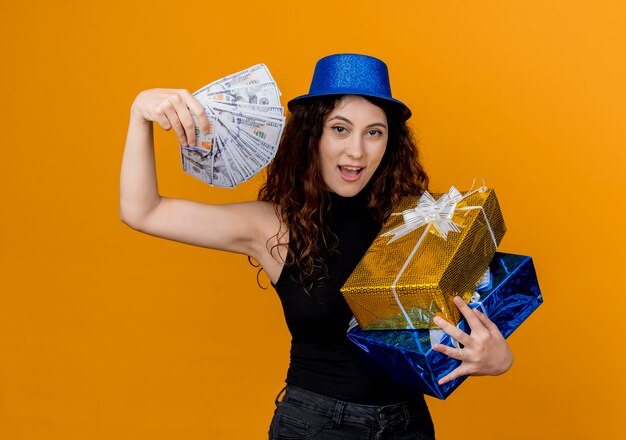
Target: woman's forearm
x,y
139,192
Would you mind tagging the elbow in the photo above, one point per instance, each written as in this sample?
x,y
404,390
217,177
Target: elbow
x,y
134,217
129,220
126,221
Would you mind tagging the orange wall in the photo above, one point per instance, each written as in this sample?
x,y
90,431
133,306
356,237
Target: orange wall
x,y
108,333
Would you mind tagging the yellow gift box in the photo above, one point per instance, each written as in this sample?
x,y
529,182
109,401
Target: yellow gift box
x,y
437,247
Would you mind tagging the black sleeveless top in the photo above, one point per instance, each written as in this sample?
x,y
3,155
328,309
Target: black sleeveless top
x,y
323,360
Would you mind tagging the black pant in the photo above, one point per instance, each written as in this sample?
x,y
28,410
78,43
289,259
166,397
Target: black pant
x,y
303,414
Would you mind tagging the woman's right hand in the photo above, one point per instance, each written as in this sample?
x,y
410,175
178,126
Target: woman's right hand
x,y
172,108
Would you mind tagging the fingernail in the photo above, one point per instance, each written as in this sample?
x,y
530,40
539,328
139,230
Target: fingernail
x,y
206,131
437,320
458,300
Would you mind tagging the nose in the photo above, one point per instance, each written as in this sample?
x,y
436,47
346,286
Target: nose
x,y
355,147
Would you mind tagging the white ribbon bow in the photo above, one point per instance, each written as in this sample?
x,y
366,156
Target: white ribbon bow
x,y
436,213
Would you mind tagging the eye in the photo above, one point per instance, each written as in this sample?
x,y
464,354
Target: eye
x,y
374,132
339,129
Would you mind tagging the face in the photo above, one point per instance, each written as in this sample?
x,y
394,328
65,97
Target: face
x,y
352,145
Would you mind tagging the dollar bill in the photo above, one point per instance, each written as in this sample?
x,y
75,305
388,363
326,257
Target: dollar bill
x,y
198,163
246,121
258,94
221,173
258,144
257,158
241,170
260,111
263,152
264,129
228,120
257,74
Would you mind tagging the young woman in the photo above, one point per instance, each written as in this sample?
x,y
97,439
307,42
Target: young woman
x,y
346,157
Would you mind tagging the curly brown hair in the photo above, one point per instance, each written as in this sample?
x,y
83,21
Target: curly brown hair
x,y
295,185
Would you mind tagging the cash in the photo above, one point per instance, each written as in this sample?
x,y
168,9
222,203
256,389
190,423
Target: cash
x,y
246,121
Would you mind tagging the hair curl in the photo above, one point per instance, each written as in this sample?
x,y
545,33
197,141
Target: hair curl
x,y
295,185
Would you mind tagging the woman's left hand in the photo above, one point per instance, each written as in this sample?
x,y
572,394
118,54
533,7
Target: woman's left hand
x,y
484,352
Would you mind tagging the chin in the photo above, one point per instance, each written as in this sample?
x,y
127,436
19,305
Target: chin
x,y
347,192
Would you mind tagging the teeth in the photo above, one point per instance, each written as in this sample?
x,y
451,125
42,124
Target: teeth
x,y
351,168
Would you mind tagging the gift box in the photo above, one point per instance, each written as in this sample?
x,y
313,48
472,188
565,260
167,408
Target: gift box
x,y
424,256
407,355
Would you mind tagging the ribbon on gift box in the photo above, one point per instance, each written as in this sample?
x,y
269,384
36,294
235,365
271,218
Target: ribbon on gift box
x,y
436,214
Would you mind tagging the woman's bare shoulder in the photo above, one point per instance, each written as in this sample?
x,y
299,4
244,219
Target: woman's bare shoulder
x,y
270,248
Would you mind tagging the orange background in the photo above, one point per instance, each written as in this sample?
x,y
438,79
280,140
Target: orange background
x,y
108,333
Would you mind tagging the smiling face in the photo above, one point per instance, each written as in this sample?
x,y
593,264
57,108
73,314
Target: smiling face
x,y
352,145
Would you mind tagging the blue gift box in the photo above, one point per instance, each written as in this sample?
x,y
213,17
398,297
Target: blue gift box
x,y
407,355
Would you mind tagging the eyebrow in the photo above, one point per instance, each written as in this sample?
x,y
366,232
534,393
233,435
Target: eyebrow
x,y
343,118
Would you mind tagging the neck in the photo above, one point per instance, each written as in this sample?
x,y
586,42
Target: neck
x,y
357,202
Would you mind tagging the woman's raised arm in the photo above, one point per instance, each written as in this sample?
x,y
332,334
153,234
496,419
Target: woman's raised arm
x,y
239,227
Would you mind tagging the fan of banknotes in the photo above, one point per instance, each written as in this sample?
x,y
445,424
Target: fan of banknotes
x,y
246,124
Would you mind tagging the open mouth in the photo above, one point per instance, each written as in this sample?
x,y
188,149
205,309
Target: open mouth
x,y
350,171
